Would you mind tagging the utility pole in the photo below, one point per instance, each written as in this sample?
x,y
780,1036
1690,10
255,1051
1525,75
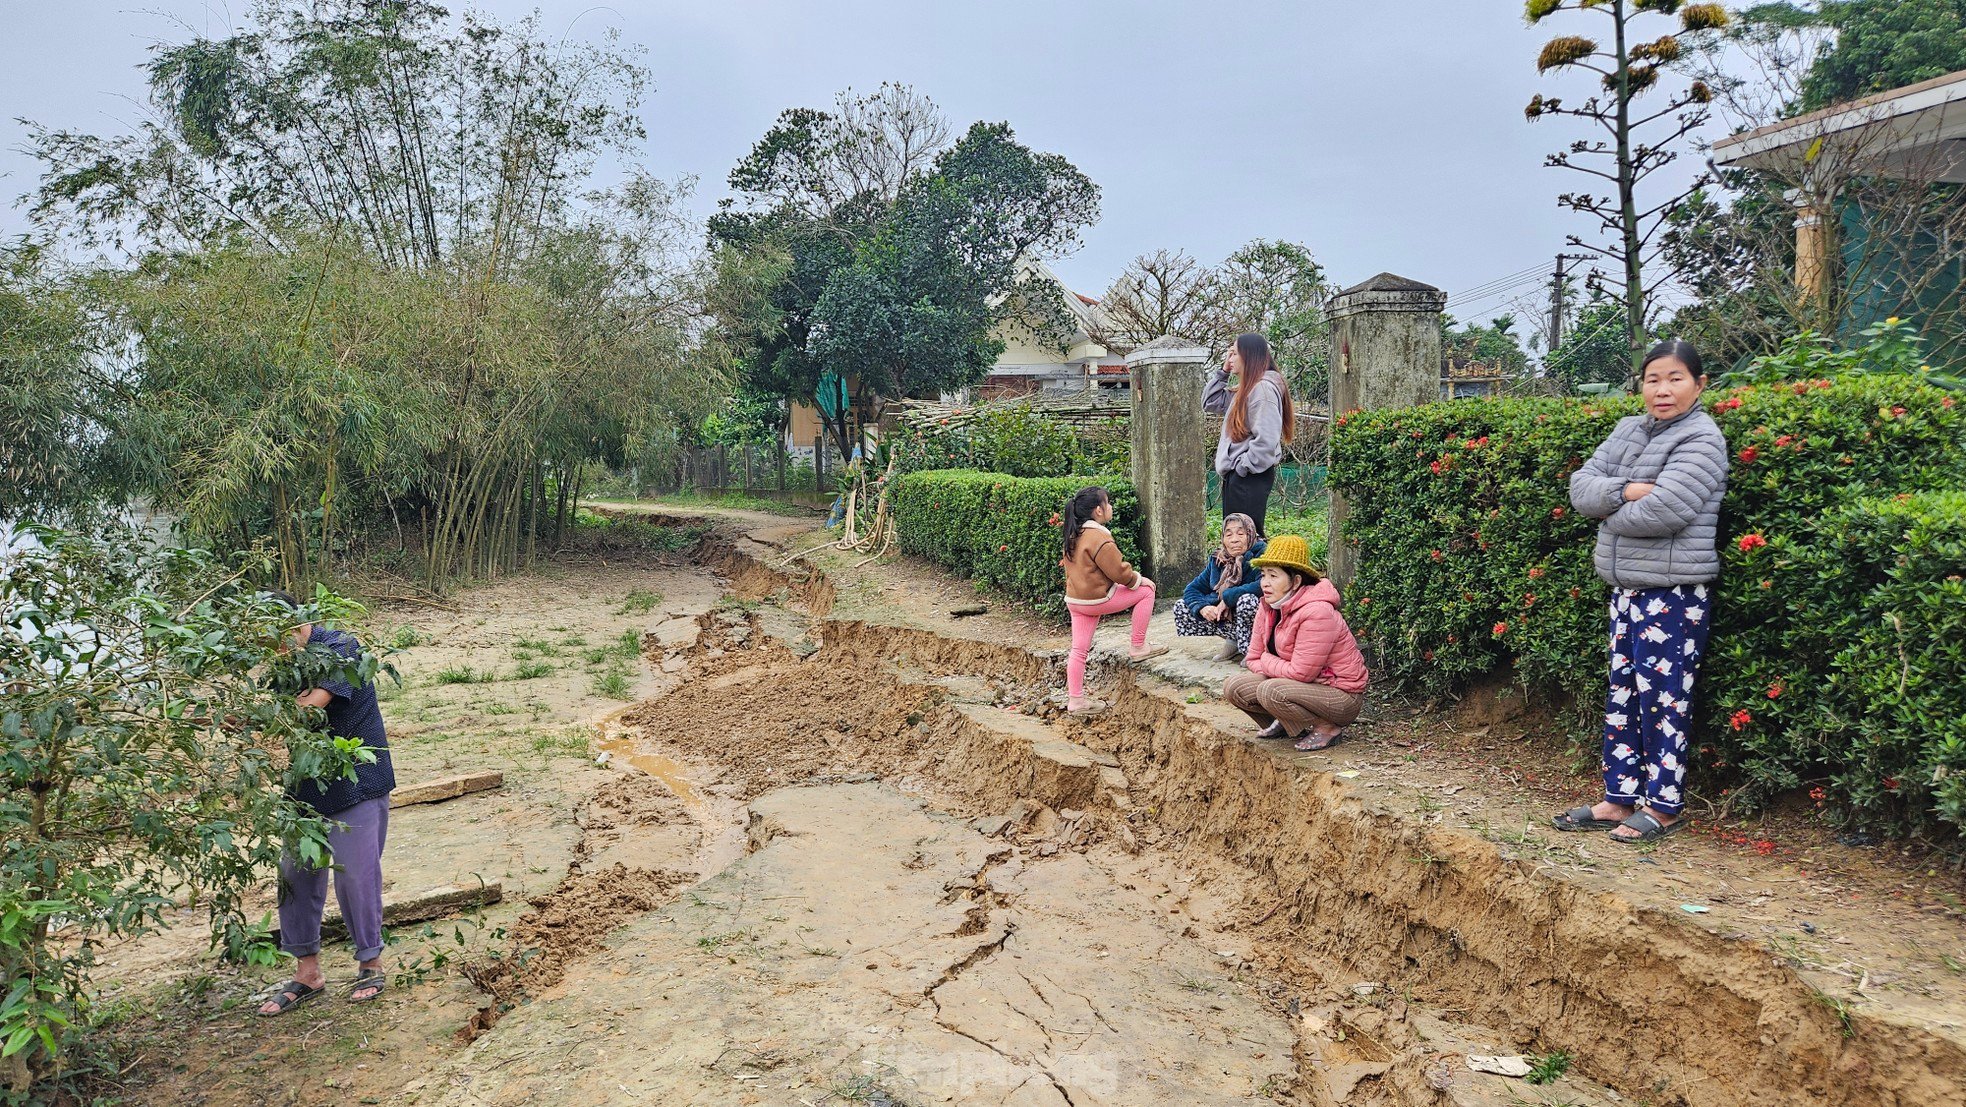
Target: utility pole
x,y
1556,304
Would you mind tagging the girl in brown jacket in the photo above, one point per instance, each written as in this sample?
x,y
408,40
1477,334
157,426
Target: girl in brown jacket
x,y
1099,582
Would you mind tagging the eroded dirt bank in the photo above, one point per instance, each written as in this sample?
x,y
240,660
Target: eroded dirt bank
x,y
1461,944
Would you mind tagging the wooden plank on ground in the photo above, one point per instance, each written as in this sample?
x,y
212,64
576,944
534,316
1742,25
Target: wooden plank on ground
x,y
449,787
435,904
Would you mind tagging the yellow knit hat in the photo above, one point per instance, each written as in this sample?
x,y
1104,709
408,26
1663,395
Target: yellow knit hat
x,y
1288,551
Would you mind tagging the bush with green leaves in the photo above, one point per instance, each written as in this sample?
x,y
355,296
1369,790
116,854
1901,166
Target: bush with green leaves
x,y
1001,531
1892,347
147,734
1472,562
1015,439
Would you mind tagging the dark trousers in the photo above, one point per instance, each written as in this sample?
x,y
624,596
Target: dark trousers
x,y
1248,495
355,845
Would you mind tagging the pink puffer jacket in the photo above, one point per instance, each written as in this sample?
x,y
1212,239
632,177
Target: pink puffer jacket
x,y
1313,644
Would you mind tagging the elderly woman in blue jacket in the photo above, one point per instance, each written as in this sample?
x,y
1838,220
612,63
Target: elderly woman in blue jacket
x,y
1656,486
1222,599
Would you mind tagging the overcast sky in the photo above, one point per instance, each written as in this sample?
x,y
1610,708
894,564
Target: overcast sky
x,y
1384,136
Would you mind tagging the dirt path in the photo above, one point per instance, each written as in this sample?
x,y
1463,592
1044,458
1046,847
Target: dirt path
x,y
840,847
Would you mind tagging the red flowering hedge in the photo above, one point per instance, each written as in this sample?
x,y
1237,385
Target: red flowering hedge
x,y
1471,562
1002,531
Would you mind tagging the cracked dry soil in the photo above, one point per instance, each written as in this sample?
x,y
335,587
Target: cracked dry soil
x,y
921,887
870,946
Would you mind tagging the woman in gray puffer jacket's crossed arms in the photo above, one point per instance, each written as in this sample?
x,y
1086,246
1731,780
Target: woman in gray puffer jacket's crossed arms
x,y
1655,485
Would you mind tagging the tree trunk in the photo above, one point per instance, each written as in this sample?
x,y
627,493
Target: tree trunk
x,y
1627,199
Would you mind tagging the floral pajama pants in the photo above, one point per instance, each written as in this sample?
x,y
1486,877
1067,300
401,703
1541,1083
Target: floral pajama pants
x,y
1190,624
1657,638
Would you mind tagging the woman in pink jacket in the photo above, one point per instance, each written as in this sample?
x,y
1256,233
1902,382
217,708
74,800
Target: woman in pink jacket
x,y
1306,677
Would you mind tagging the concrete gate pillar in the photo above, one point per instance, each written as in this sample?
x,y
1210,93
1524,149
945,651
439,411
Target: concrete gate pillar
x,y
1385,353
1170,452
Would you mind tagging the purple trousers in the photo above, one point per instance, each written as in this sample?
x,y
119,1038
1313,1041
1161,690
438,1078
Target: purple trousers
x,y
355,845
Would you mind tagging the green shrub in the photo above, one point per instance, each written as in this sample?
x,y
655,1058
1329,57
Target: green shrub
x,y
1015,440
1894,706
1472,561
1001,531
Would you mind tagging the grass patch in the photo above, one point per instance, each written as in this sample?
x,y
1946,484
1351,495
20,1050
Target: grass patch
x,y
464,674
641,601
1548,1069
571,742
406,636
533,670
612,684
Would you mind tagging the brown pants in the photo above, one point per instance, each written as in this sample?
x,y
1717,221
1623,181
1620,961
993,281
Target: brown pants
x,y
1295,704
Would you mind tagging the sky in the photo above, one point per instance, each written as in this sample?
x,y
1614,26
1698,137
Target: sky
x,y
1386,137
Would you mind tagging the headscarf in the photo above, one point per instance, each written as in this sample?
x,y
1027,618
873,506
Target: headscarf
x,y
1228,566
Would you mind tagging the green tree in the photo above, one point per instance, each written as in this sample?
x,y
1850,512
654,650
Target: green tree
x,y
1594,351
1878,45
892,277
150,732
1639,138
1274,288
421,136
60,450
371,296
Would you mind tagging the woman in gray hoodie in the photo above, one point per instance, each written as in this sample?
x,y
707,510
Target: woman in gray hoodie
x,y
1656,486
1258,421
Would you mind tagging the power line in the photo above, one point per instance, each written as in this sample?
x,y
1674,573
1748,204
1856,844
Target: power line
x,y
1487,287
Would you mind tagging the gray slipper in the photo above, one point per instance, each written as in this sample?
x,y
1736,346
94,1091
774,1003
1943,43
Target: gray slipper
x,y
1649,828
1580,818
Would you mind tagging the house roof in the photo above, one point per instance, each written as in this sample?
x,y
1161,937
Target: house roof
x,y
1919,129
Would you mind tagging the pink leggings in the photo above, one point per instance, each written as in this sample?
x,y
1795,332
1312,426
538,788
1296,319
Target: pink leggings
x,y
1085,620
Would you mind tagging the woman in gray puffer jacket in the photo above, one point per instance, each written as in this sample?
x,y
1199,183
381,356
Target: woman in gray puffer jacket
x,y
1656,484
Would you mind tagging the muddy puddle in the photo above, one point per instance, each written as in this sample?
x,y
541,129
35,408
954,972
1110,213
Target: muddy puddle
x,y
623,747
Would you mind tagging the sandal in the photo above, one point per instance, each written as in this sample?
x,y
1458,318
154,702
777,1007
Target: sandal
x,y
1649,828
1580,818
291,995
368,978
1086,706
1312,741
1274,730
1145,655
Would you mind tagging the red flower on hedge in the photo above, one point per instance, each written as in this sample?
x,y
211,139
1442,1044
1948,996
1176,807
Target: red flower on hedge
x,y
1891,783
1055,520
1784,440
1897,413
1945,401
1556,513
1536,573
1774,691
1751,542
1501,628
1003,549
1739,720
1824,383
1437,555
1800,388
1529,600
1748,455
1435,466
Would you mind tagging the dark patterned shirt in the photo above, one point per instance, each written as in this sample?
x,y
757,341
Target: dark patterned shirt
x,y
352,713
